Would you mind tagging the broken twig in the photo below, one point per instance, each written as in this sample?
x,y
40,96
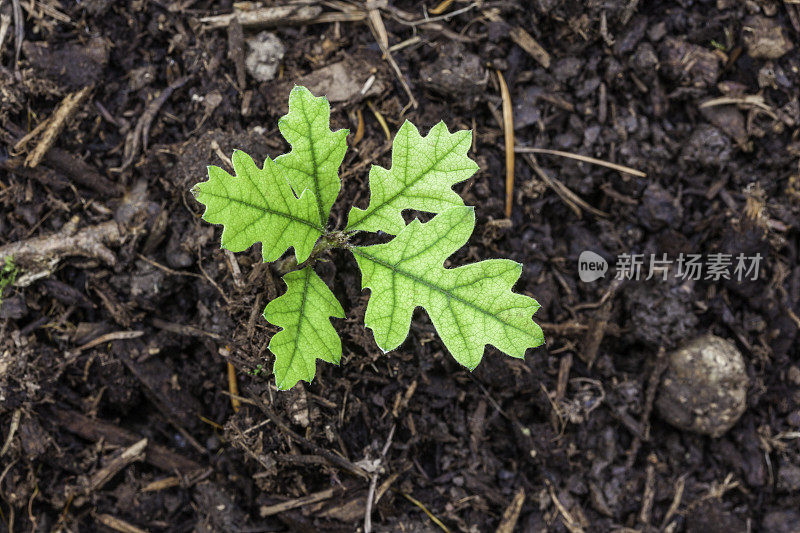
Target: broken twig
x,y
138,138
69,105
579,157
508,129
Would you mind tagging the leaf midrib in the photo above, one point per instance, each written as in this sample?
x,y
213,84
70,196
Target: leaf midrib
x,y
445,292
267,210
306,279
315,171
408,185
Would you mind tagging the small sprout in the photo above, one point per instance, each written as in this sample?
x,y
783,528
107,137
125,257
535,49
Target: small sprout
x,y
286,204
8,275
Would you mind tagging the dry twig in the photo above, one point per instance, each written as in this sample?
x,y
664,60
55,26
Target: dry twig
x,y
566,517
508,130
573,201
523,39
511,514
579,157
266,17
79,171
597,325
233,387
139,136
96,430
132,453
331,457
118,524
441,8
383,43
425,510
69,105
374,482
269,510
40,255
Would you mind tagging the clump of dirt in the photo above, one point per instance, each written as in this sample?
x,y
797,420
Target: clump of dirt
x,y
672,297
704,388
458,73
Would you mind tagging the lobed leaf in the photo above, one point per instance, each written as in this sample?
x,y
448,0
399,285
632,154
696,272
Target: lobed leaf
x,y
424,170
317,152
470,306
286,204
258,205
304,313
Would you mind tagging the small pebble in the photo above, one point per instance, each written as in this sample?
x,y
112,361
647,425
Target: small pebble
x,y
704,388
264,55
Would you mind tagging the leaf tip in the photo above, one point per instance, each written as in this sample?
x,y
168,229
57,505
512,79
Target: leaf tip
x,y
407,128
239,159
298,90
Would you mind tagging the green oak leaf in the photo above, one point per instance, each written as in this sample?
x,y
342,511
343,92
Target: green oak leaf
x,y
258,205
470,306
304,313
287,203
317,152
424,170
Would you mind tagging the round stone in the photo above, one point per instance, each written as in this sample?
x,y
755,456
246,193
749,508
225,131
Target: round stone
x,y
704,388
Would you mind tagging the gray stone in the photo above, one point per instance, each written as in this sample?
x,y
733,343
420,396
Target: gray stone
x,y
704,388
264,55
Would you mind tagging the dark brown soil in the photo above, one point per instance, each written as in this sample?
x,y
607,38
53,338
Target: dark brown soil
x,y
125,330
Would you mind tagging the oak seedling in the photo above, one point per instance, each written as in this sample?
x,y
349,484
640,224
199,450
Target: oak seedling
x,y
286,204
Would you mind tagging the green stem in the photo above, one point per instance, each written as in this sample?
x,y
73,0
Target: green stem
x,y
329,240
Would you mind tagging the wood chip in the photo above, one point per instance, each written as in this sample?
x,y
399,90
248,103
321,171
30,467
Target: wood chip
x,y
161,484
267,17
441,8
96,430
269,510
380,30
511,514
523,39
132,453
108,337
55,124
566,517
118,524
